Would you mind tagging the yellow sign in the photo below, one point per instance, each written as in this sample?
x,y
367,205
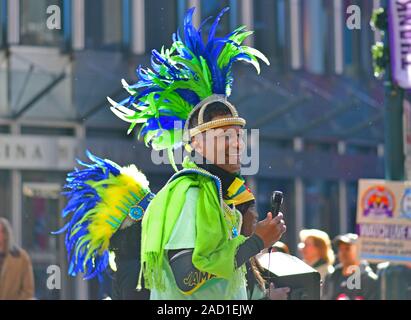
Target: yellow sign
x,y
384,220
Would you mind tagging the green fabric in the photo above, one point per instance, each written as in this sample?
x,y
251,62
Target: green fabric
x,y
214,289
214,251
183,237
258,293
184,232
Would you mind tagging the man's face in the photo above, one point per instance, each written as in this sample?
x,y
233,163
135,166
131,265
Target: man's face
x,y
309,251
347,254
2,238
222,146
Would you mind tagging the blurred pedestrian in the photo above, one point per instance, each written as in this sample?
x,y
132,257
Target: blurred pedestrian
x,y
316,250
352,279
16,272
279,247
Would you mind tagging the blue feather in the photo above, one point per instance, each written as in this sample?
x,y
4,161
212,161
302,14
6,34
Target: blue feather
x,y
189,95
215,24
162,122
180,71
81,199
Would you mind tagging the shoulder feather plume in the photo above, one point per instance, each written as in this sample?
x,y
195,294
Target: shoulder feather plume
x,y
100,197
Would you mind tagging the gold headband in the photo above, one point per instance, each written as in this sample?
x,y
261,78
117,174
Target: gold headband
x,y
202,126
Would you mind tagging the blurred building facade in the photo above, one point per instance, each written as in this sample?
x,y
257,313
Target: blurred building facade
x,y
317,106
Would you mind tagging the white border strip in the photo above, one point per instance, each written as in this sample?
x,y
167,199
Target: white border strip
x,y
13,8
338,37
197,13
247,17
138,40
295,24
78,24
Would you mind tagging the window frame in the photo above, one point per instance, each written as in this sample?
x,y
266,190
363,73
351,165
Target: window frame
x,y
166,38
3,23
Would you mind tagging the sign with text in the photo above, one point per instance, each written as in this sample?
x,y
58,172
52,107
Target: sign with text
x,y
384,220
407,137
399,24
35,152
38,152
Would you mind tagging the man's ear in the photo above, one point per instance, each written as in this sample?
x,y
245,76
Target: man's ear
x,y
196,145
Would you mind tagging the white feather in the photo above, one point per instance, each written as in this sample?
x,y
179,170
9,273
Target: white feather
x,y
136,174
121,115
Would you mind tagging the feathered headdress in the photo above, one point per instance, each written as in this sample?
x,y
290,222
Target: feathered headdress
x,y
189,75
100,197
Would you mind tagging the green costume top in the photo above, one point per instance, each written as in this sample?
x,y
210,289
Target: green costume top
x,y
184,237
183,81
192,197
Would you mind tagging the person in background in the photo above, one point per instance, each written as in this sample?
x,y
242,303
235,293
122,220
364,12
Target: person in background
x,y
343,283
16,272
316,250
280,247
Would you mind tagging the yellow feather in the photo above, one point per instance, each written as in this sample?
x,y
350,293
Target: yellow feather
x,y
115,195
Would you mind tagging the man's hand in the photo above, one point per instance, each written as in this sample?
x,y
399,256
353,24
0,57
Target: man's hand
x,y
278,293
270,229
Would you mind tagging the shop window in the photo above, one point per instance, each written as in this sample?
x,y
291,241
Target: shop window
x,y
160,23
103,24
265,189
34,30
321,208
5,194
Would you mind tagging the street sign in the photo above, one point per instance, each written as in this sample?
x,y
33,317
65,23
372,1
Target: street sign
x,y
399,24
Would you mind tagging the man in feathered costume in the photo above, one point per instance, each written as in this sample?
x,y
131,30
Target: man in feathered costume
x,y
191,246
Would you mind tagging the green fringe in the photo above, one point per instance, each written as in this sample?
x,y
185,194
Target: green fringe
x,y
239,277
237,281
152,271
